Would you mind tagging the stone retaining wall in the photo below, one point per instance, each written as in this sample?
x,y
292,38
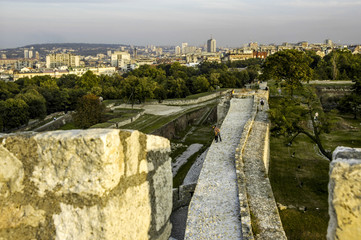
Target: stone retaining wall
x,y
56,124
345,194
183,195
195,101
85,184
258,210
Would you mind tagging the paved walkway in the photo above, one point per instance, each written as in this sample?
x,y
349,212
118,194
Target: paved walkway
x,y
214,210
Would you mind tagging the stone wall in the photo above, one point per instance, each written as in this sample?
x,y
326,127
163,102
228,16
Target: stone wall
x,y
345,194
258,209
56,124
170,130
85,184
195,101
183,195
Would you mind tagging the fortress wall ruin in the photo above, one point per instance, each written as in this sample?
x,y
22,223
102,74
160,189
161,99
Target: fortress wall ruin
x,y
85,184
345,194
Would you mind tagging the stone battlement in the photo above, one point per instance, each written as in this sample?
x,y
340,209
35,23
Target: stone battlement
x,y
85,184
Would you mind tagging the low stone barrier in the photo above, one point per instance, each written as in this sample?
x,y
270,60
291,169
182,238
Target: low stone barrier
x,y
85,184
183,195
258,210
127,121
195,101
344,197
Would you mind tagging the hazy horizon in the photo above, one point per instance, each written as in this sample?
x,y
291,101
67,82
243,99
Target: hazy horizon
x,y
166,23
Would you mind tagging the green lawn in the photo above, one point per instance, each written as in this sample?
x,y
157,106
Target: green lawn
x,y
302,180
202,134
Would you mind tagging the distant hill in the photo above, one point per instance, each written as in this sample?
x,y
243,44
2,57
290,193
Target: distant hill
x,y
83,49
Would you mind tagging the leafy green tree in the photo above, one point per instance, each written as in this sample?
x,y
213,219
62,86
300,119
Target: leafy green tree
x,y
36,103
160,92
56,99
88,80
89,111
301,114
292,66
67,81
14,113
135,88
351,103
201,84
8,90
214,80
177,88
49,84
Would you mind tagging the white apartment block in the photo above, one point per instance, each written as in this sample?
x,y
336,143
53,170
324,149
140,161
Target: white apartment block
x,y
62,59
120,59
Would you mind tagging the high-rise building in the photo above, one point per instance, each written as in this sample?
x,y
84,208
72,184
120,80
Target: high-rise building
x,y
184,45
135,53
31,54
26,53
177,50
211,45
329,42
37,56
62,59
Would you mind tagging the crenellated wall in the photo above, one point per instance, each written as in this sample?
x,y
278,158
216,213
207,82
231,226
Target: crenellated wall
x,y
85,184
345,194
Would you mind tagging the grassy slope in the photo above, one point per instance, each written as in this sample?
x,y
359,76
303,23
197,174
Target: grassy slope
x,y
302,181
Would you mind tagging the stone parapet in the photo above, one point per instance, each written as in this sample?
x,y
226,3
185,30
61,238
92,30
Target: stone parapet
x,y
345,194
258,210
85,184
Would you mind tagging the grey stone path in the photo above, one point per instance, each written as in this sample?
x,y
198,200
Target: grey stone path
x,y
214,210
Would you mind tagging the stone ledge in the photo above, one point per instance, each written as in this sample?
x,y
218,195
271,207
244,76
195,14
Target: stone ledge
x,y
345,194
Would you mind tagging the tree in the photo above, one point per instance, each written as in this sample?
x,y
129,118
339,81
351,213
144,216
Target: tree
x,y
351,103
292,116
200,84
14,113
292,66
36,103
89,111
88,80
295,115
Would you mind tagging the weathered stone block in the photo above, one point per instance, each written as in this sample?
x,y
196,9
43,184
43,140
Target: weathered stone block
x,y
163,187
345,194
85,184
113,221
77,161
11,173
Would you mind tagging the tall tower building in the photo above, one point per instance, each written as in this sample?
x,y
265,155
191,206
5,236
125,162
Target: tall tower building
x,y
31,54
211,45
177,50
26,53
184,45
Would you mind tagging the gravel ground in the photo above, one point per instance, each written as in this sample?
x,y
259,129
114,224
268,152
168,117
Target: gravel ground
x,y
214,210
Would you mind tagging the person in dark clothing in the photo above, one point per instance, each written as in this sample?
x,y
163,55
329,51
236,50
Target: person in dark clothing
x,y
262,103
217,134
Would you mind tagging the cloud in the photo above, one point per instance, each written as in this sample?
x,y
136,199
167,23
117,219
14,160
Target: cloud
x,y
318,4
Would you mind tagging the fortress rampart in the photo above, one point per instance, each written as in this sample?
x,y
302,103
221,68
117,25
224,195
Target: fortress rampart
x,y
85,184
344,190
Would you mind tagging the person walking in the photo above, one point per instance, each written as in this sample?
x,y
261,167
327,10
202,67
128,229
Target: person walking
x,y
217,134
262,104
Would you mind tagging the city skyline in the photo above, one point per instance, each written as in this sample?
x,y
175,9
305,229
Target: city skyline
x,y
139,22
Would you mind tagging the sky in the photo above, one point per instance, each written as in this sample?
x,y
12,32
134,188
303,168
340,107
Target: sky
x,y
232,23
